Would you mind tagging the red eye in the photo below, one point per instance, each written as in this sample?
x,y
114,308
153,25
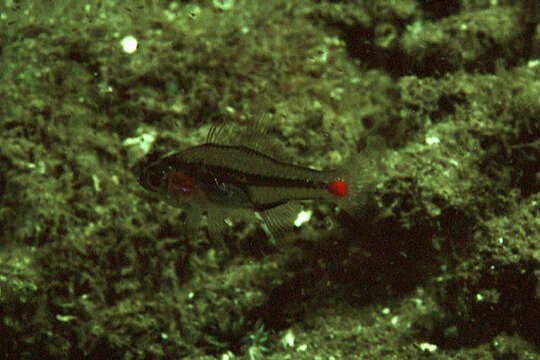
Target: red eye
x,y
180,184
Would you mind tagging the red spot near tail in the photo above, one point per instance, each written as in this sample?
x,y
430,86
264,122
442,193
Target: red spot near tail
x,y
337,187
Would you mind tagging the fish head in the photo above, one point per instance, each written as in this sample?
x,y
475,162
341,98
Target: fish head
x,y
151,172
167,176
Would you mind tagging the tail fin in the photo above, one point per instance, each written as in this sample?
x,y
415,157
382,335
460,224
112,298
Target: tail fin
x,y
354,184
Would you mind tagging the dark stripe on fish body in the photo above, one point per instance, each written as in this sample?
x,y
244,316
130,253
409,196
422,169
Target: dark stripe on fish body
x,y
249,161
240,178
251,172
266,192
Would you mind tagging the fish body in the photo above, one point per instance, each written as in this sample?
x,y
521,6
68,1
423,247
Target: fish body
x,y
238,174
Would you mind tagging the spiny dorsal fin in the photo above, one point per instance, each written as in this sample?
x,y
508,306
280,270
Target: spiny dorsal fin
x,y
254,136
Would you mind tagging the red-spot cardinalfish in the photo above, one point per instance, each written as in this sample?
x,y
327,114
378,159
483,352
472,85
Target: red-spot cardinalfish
x,y
239,172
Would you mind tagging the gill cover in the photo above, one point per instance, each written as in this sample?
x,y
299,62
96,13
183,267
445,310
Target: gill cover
x,y
179,184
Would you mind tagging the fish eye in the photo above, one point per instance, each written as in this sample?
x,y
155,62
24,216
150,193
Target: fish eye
x,y
155,177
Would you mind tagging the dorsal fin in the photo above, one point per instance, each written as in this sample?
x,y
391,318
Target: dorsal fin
x,y
255,136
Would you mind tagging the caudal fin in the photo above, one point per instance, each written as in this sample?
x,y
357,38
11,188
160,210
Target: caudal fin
x,y
354,184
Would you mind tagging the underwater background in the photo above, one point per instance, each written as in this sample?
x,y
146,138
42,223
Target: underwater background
x,y
444,264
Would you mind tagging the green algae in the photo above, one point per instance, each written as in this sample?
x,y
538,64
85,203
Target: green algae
x,y
446,95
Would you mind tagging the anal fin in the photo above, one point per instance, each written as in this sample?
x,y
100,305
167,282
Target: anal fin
x,y
280,219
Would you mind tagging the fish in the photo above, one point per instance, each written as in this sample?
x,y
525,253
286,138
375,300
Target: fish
x,y
239,173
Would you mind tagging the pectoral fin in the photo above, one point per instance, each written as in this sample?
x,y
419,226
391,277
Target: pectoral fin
x,y
192,221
